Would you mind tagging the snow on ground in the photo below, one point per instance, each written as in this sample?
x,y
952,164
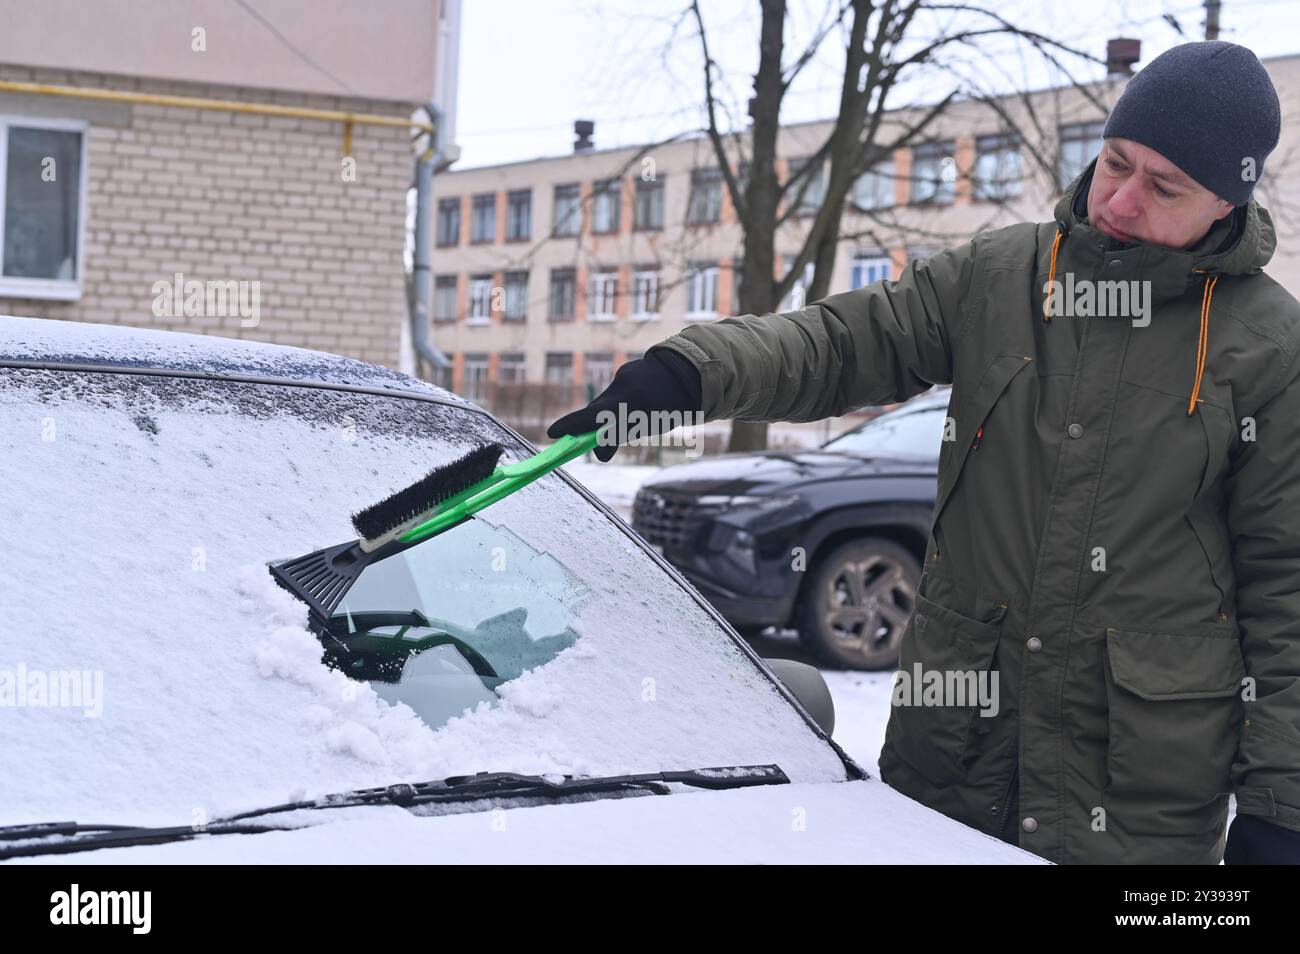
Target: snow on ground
x,y
616,484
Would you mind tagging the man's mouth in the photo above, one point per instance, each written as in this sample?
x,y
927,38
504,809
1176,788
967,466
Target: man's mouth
x,y
1118,235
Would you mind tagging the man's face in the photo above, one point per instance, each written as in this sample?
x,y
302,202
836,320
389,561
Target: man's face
x,y
1137,195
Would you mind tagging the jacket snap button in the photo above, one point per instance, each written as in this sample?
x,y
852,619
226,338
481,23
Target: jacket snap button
x,y
1033,644
1075,430
1114,263
1030,824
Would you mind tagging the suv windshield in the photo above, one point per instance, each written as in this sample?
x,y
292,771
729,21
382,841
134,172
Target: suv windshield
x,y
539,637
911,433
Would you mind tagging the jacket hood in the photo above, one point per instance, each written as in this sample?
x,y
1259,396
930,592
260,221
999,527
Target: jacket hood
x,y
1238,245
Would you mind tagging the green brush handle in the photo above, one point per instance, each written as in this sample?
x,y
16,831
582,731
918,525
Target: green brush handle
x,y
502,483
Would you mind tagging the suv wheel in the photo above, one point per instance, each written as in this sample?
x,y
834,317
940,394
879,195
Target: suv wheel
x,y
858,600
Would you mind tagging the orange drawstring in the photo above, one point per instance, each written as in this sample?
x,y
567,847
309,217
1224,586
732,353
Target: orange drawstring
x,y
1051,275
1203,341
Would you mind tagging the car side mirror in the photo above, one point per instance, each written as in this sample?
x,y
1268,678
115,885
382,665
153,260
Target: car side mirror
x,y
807,685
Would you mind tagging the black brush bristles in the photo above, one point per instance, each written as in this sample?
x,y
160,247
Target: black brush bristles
x,y
438,485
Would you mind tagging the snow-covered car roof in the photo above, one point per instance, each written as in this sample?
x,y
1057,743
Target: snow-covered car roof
x,y
39,341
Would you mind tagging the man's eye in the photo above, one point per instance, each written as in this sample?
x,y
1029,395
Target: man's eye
x,y
1114,166
1163,194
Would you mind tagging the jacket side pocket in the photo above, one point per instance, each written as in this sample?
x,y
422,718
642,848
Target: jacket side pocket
x,y
945,680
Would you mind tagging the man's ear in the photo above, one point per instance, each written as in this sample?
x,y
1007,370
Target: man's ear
x,y
1224,208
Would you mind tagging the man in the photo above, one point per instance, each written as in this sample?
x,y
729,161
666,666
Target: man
x,y
1117,530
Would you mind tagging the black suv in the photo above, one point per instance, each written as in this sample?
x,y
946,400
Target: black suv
x,y
828,541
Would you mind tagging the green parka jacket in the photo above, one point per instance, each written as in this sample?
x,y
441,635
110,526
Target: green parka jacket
x,y
1117,529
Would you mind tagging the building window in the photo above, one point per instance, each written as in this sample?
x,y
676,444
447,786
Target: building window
x,y
519,215
870,267
480,299
516,296
702,292
510,367
606,198
645,294
448,222
483,225
599,371
706,196
649,204
797,297
474,377
1079,143
603,297
444,298
813,185
563,282
568,209
934,173
442,377
997,167
42,215
559,376
874,189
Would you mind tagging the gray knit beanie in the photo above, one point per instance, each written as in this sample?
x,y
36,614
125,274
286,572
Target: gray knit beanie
x,y
1210,109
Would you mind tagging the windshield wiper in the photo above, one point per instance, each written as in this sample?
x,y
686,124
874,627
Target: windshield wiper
x,y
65,837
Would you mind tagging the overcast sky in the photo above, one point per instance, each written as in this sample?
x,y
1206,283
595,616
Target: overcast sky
x,y
530,68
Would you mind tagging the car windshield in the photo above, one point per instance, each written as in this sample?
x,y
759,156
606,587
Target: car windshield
x,y
442,626
910,433
154,672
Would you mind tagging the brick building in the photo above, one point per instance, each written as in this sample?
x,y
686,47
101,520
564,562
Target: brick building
x,y
113,210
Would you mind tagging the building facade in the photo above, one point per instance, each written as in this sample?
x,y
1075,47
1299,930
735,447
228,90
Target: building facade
x,y
283,229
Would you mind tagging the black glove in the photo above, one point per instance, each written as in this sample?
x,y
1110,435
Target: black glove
x,y
663,380
1254,841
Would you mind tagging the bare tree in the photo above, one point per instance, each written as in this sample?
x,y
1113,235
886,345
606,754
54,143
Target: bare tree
x,y
888,41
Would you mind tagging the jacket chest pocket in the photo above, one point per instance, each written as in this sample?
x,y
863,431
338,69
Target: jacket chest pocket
x,y
968,418
1174,719
945,681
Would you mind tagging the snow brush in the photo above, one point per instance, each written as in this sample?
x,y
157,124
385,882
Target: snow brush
x,y
436,502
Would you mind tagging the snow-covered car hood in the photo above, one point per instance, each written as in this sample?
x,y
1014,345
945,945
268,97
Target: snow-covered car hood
x,y
863,822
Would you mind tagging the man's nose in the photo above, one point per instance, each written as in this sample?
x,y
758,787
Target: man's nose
x,y
1126,202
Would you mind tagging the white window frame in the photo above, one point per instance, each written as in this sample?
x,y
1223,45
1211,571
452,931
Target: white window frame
x,y
869,259
879,178
474,376
643,279
512,366
702,284
505,288
480,301
602,295
44,288
607,366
